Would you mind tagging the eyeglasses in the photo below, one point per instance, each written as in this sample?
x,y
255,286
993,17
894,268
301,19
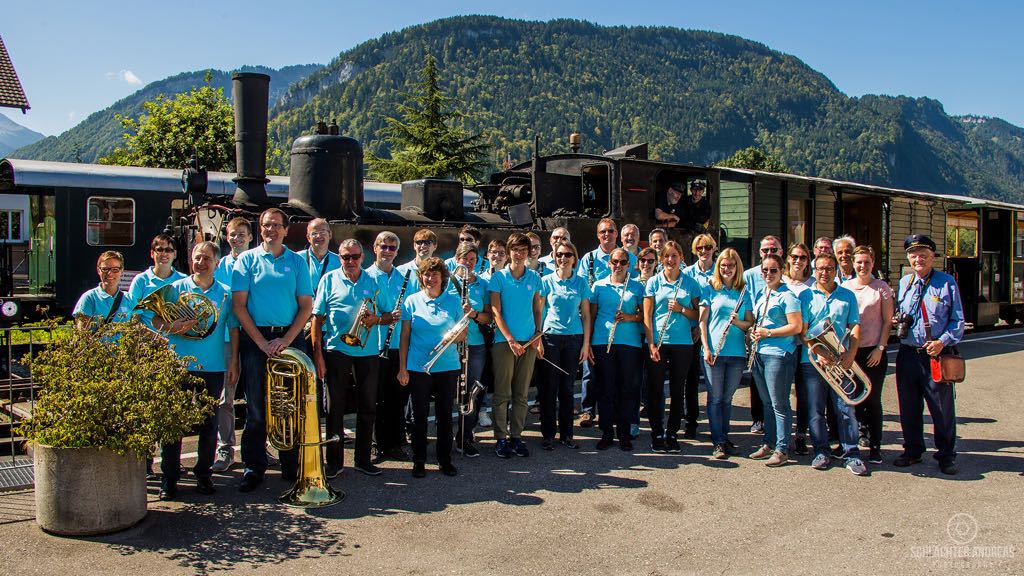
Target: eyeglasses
x,y
113,270
519,250
798,257
534,246
620,262
772,250
318,233
165,250
705,248
767,271
350,257
827,269
467,239
557,238
423,242
271,225
647,260
606,231
565,255
726,265
387,248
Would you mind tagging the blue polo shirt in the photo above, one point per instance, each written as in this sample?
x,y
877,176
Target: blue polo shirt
x,y
210,352
721,303
145,284
481,264
516,302
96,303
273,284
661,290
225,266
338,299
755,282
390,286
702,278
942,301
319,268
780,302
429,320
549,264
607,297
562,300
840,306
478,296
601,263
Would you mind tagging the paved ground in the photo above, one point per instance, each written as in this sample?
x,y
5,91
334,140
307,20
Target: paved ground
x,y
604,513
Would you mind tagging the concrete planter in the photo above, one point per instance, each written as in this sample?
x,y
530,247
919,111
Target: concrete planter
x,y
85,491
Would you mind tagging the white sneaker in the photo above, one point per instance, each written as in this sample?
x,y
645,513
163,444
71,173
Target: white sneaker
x,y
485,420
856,467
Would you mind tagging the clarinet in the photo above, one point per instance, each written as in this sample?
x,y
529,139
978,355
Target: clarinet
x,y
615,324
398,307
463,347
590,272
757,322
725,333
671,314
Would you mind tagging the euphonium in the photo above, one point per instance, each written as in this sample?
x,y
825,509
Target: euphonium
x,y
358,333
188,306
292,421
822,340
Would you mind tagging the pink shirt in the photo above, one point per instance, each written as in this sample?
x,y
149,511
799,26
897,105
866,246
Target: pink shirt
x,y
869,304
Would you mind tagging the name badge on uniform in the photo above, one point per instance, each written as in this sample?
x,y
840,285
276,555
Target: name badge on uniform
x,y
935,299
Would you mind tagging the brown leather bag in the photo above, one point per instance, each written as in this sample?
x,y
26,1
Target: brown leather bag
x,y
949,367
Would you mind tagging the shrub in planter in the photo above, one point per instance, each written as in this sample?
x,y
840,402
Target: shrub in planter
x,y
108,395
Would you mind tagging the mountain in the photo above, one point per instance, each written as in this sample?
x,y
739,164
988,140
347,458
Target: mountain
x,y
695,96
100,133
14,135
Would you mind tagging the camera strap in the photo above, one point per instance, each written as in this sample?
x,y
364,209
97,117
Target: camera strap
x,y
114,307
920,294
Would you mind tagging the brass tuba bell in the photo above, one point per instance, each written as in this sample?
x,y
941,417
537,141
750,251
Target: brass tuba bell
x,y
188,306
293,421
823,340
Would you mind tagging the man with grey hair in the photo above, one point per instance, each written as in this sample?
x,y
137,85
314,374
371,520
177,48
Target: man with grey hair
x,y
630,234
557,235
318,256
843,247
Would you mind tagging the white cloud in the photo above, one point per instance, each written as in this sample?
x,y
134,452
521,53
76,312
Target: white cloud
x,y
126,76
72,115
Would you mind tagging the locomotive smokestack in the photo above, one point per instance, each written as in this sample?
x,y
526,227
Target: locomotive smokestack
x,y
250,92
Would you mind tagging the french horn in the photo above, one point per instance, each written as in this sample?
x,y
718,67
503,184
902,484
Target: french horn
x,y
188,306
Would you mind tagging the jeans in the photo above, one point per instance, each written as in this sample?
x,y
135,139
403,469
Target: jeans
x,y
869,412
774,378
339,369
254,435
554,387
615,385
723,379
915,388
474,372
226,419
818,392
170,454
440,385
675,362
588,398
511,385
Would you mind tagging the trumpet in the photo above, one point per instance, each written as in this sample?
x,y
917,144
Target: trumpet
x,y
757,323
671,315
358,333
394,311
449,337
615,324
822,340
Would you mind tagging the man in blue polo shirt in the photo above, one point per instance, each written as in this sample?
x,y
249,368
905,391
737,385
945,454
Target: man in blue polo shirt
x,y
338,353
216,361
471,234
318,256
826,300
272,299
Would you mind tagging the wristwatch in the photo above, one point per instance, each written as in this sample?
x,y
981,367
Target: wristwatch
x,y
881,347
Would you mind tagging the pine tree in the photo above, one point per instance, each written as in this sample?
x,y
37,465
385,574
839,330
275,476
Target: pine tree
x,y
429,141
753,158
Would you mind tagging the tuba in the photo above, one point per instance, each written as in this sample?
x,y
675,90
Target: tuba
x,y
188,306
293,421
823,340
358,333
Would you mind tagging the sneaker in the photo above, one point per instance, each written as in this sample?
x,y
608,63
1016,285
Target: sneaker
x,y
777,459
605,443
419,470
658,445
397,454
568,443
587,420
863,442
547,444
485,420
449,469
904,460
626,445
225,458
671,444
502,449
875,456
820,462
731,449
800,445
469,450
535,408
690,433
634,431
763,452
838,452
719,453
367,468
757,428
856,467
332,471
948,467
272,460
519,447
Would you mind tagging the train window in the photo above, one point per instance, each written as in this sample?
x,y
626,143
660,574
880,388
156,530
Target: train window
x,y
962,235
798,218
110,221
10,225
1018,244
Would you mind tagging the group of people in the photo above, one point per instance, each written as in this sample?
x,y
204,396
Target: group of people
x,y
632,318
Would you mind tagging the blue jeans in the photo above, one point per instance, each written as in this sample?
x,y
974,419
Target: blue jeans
x,y
818,392
723,379
774,378
253,379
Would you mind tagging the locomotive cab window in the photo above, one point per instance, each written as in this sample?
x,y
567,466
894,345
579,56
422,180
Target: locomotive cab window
x,y
110,221
962,234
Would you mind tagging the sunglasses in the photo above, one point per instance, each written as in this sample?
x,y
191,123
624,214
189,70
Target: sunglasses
x,y
165,250
797,257
828,269
769,250
565,255
606,231
350,257
387,248
648,260
423,242
619,262
767,271
467,239
705,248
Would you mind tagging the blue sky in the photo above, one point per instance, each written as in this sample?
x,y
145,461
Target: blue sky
x,y
75,58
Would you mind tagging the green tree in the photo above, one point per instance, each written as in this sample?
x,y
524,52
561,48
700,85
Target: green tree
x,y
753,158
170,130
429,141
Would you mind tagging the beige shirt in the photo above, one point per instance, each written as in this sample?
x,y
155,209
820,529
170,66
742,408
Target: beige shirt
x,y
869,304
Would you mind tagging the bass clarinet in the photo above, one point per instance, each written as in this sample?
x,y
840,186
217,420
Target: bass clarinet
x,y
396,310
757,322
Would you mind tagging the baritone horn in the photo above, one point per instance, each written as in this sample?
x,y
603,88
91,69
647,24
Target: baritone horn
x,y
823,340
293,421
358,332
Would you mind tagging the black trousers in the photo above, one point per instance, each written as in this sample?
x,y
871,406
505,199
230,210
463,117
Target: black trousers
x,y
170,454
803,409
440,385
675,362
340,368
617,378
554,387
692,412
915,388
869,412
392,398
756,405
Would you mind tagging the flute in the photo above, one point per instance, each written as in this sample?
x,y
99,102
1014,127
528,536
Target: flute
x,y
671,314
757,321
725,333
615,324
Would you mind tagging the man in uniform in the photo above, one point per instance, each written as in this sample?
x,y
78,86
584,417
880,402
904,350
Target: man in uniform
x,y
272,298
669,209
929,303
698,210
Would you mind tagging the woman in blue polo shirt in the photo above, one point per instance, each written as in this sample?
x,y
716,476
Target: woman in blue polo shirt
x,y
478,306
617,302
426,316
725,317
104,303
778,320
566,343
